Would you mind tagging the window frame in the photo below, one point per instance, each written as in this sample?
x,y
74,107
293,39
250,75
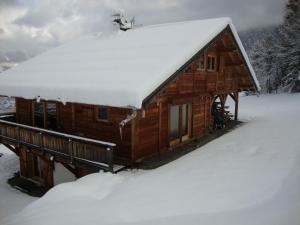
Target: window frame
x,y
215,64
34,122
97,114
47,114
202,56
181,136
44,113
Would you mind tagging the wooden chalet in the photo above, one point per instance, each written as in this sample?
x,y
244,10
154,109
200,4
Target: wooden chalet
x,y
107,100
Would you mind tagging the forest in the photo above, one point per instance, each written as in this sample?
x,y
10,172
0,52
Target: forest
x,y
275,52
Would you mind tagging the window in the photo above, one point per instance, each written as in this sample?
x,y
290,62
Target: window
x,y
45,115
51,112
102,114
211,63
185,117
201,65
174,122
39,115
179,123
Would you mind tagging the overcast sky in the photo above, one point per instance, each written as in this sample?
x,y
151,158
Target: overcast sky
x,y
35,25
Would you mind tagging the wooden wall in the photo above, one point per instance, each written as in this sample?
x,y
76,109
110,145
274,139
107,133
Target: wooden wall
x,y
80,120
23,111
197,88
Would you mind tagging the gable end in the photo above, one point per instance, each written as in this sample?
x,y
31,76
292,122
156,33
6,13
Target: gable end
x,y
161,87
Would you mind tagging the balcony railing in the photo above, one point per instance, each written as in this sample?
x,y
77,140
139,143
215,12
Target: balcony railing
x,y
73,148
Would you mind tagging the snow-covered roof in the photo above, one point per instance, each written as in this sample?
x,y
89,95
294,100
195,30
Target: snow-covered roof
x,y
117,69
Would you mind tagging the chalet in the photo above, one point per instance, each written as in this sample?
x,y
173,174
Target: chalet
x,y
114,99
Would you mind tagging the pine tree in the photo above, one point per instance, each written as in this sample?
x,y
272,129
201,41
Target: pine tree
x,y
289,43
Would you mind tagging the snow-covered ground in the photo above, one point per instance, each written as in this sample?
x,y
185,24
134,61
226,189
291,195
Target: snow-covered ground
x,y
250,176
11,200
7,105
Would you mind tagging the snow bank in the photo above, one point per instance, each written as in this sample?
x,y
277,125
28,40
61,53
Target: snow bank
x,y
11,200
118,69
248,176
62,174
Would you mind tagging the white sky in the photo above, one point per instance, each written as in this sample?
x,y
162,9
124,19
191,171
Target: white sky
x,y
35,25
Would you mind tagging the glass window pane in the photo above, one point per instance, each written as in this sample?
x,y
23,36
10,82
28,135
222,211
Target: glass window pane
x,y
51,116
102,114
201,62
174,120
185,113
39,115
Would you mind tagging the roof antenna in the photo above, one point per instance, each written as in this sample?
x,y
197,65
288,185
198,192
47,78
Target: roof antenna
x,y
119,18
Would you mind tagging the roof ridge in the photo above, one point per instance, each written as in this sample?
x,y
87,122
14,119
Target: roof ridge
x,y
181,22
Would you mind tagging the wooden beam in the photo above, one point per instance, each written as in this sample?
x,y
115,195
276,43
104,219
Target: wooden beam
x,y
160,127
234,64
12,148
227,49
236,108
232,95
71,169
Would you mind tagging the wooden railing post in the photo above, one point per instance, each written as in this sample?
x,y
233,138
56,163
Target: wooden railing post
x,y
42,142
110,152
71,150
18,136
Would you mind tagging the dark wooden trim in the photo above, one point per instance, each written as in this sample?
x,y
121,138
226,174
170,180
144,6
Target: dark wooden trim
x,y
159,126
236,108
12,148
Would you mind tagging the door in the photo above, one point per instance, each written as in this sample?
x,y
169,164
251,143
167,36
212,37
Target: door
x,y
39,114
45,115
179,123
51,116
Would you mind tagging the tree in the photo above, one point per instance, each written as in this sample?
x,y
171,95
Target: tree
x,y
276,55
289,43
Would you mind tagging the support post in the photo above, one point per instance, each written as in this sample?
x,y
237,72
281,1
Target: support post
x,y
18,136
110,152
236,108
42,142
71,150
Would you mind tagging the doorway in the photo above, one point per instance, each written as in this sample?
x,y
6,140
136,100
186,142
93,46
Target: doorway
x,y
45,115
179,123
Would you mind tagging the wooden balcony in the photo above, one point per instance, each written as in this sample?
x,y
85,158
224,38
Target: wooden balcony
x,y
75,149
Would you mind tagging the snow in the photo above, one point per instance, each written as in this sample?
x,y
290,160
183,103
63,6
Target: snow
x,y
249,176
11,200
7,105
61,174
117,69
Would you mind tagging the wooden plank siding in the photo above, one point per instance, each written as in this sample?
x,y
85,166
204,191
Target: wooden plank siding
x,y
197,88
80,120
